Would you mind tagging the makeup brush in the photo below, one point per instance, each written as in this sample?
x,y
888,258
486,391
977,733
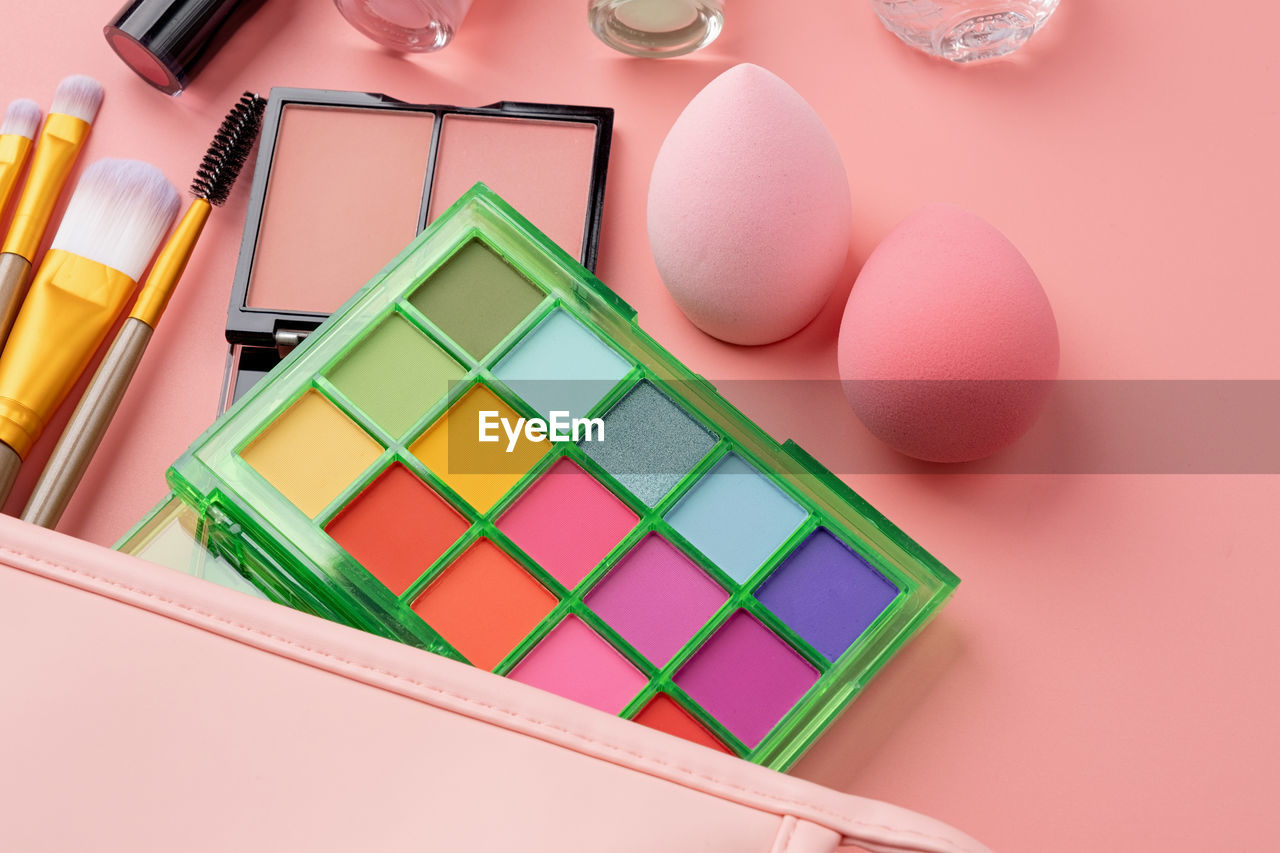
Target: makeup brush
x,y
117,216
212,185
21,121
75,105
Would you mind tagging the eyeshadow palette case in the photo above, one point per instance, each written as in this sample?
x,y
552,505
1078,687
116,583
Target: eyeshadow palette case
x,y
686,571
343,180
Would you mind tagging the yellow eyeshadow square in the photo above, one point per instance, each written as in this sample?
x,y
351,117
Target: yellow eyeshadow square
x,y
480,472
311,453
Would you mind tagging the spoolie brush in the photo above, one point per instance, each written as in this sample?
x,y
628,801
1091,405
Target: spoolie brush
x,y
212,185
229,150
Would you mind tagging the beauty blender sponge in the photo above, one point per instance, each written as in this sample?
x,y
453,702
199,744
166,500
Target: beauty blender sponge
x,y
948,346
749,211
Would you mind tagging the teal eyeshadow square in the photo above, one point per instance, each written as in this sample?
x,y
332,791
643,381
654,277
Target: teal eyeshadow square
x,y
561,365
736,516
650,443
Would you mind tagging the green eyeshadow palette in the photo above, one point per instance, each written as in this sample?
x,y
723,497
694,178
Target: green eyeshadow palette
x,y
483,454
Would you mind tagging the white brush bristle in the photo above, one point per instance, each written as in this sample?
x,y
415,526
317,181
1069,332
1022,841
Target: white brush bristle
x,y
22,118
120,211
78,96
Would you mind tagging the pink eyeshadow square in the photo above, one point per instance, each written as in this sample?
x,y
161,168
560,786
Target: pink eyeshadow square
x,y
575,662
656,598
567,522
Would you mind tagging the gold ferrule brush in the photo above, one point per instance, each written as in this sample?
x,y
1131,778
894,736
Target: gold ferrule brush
x,y
89,423
75,105
115,220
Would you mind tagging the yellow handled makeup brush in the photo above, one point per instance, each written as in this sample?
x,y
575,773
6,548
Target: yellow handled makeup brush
x,y
21,121
117,216
75,105
212,185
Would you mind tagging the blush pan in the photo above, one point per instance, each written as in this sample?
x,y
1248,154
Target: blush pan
x,y
682,569
542,168
344,180
334,168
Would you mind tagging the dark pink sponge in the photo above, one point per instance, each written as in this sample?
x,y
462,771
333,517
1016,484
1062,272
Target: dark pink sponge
x,y
948,347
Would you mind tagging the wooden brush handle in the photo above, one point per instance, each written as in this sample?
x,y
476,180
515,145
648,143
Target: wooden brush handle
x,y
10,462
88,425
15,273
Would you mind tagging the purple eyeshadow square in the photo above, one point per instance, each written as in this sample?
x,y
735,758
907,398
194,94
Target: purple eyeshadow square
x,y
747,677
656,598
826,593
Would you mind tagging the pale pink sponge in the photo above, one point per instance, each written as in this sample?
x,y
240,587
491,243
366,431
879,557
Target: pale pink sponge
x,y
948,346
749,211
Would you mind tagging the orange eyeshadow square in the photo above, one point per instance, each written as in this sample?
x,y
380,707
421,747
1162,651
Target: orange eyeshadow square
x,y
484,604
665,715
397,527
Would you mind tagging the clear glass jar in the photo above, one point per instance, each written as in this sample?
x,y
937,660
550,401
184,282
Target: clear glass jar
x,y
964,30
406,26
656,28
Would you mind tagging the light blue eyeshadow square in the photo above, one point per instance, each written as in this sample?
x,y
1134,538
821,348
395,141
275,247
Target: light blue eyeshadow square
x,y
736,516
562,366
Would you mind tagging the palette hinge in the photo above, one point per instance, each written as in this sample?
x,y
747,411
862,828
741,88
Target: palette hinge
x,y
287,339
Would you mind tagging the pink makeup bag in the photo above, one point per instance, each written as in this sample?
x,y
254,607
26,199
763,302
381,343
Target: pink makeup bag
x,y
145,710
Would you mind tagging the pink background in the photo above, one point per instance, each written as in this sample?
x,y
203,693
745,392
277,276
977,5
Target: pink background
x,y
1105,678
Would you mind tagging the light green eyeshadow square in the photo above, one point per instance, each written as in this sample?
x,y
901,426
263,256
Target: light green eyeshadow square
x,y
395,375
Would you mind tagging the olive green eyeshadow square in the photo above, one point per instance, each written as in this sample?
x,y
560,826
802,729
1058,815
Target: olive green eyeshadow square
x,y
395,374
476,298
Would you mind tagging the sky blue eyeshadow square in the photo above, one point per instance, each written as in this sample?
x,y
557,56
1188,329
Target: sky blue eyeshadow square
x,y
562,366
736,516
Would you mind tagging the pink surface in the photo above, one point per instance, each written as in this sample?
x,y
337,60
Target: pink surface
x,y
948,345
567,521
576,662
1086,689
749,209
656,598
